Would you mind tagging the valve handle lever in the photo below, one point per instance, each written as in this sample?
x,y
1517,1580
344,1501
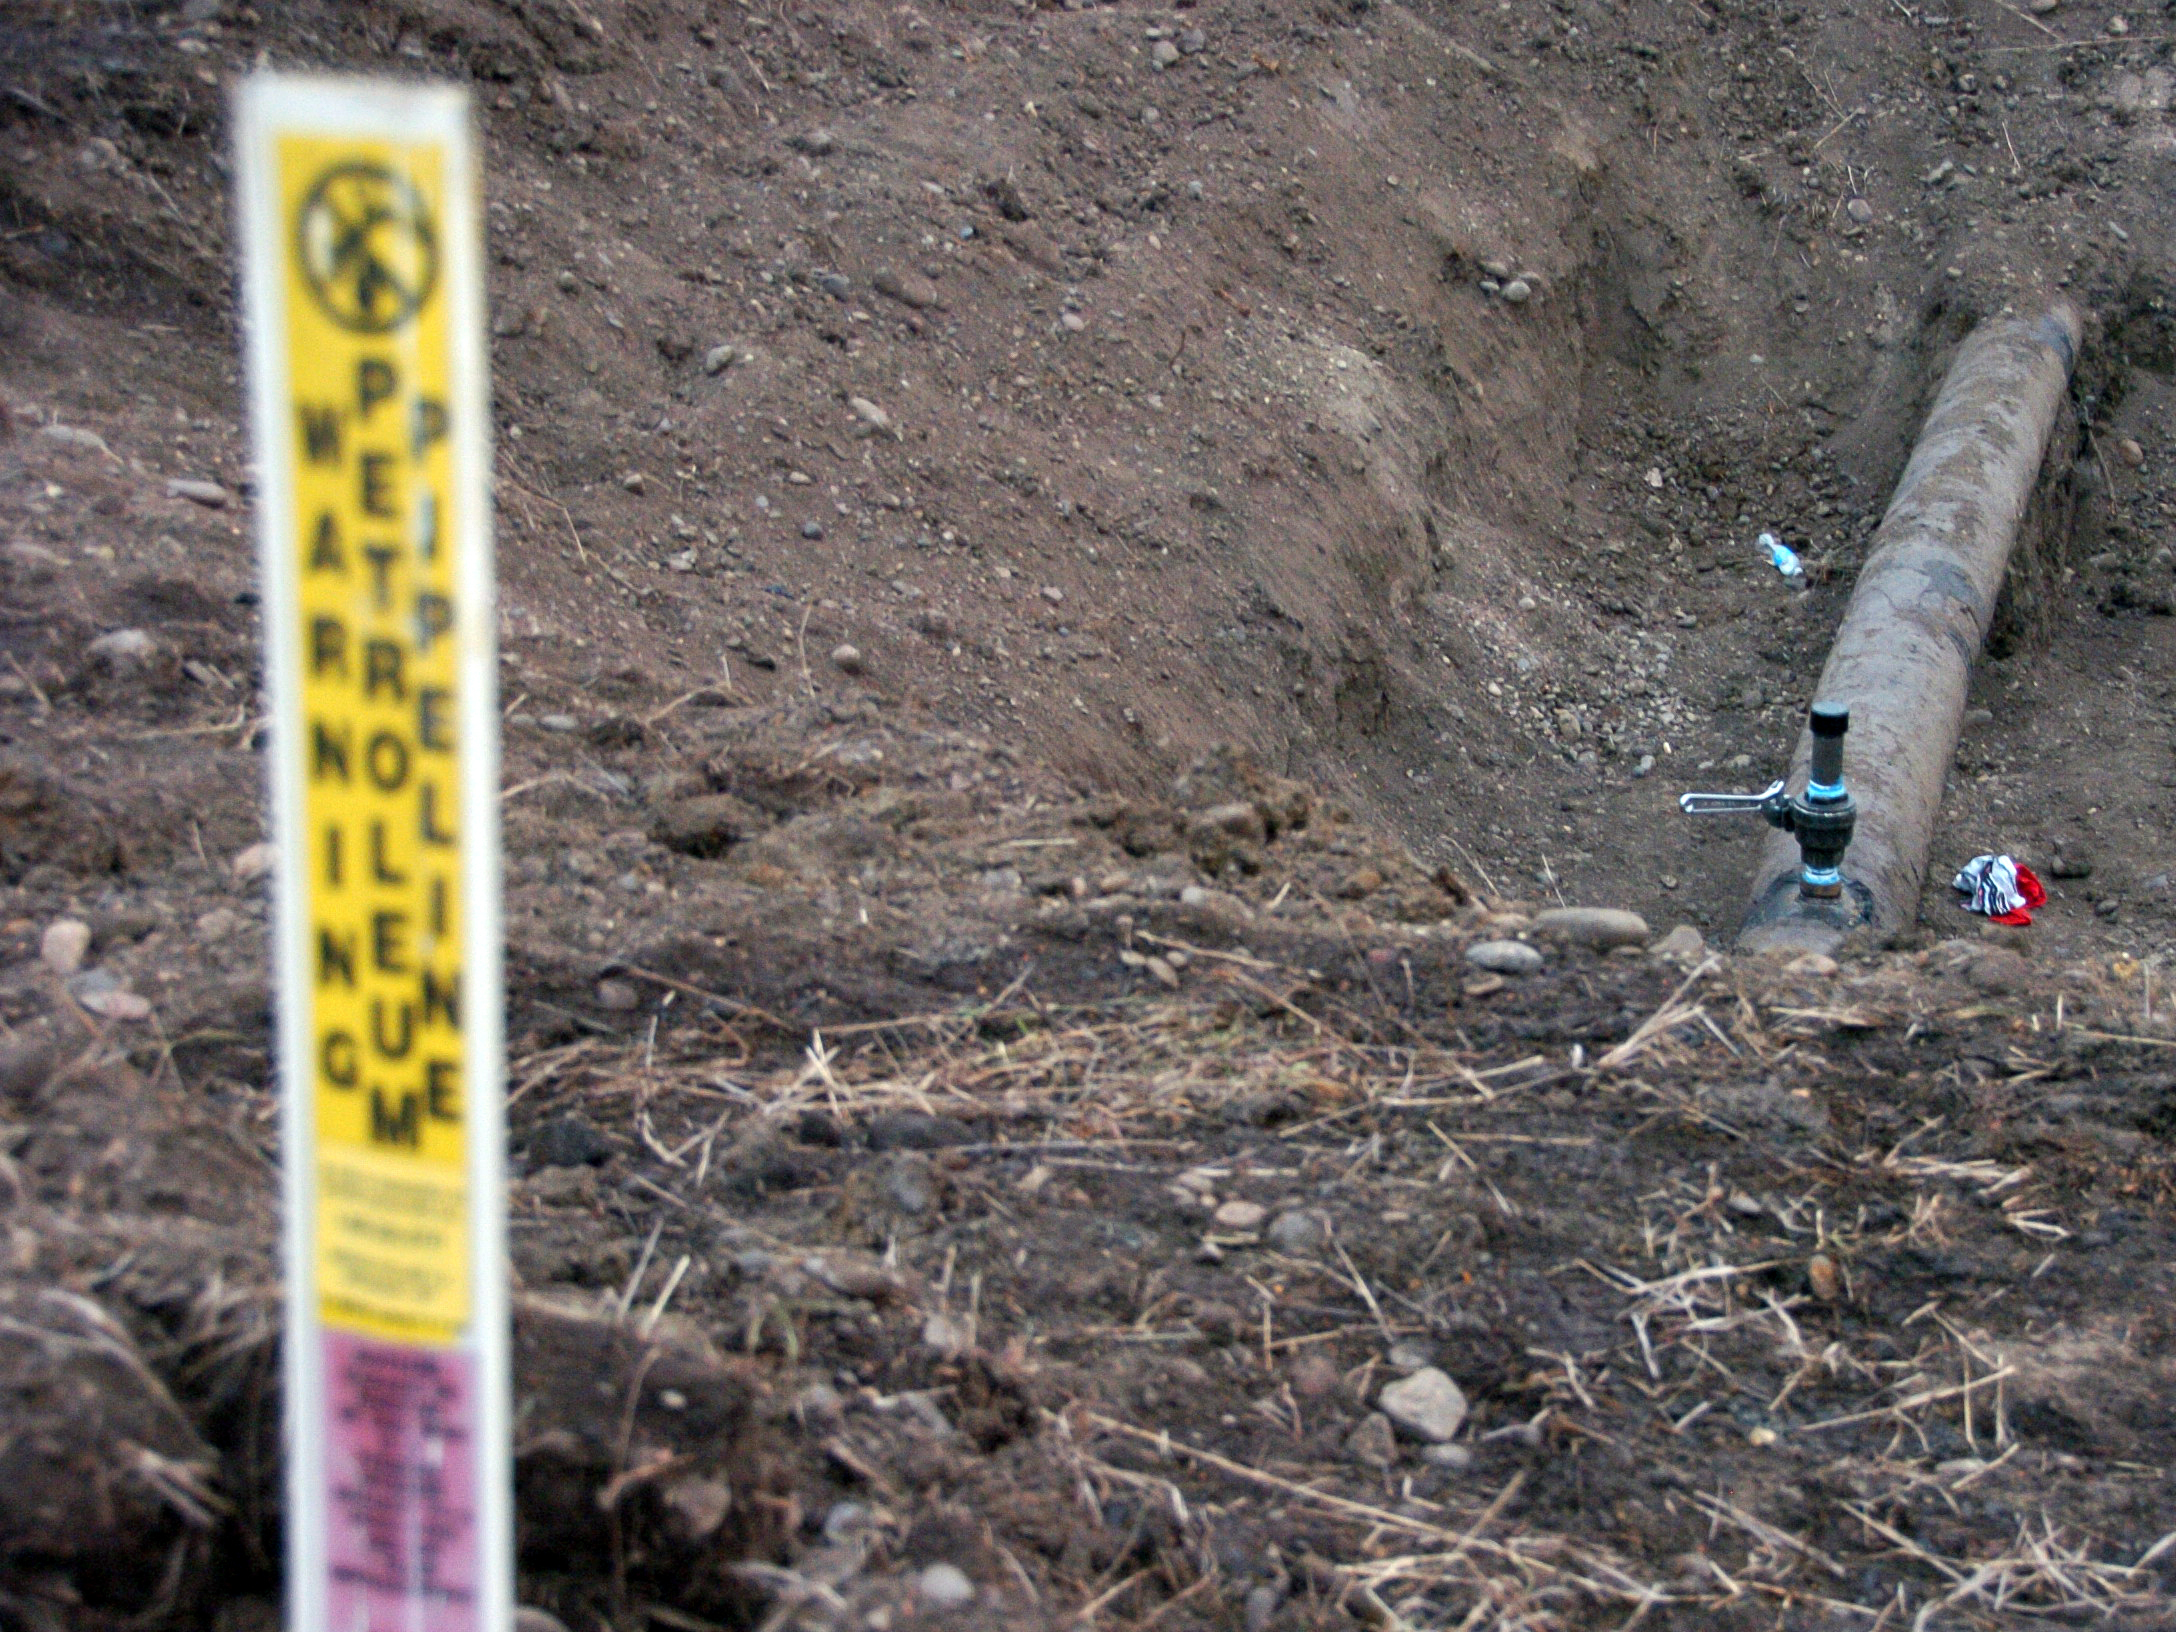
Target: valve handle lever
x,y
1726,804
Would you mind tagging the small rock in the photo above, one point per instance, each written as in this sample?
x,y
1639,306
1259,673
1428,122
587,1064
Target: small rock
x,y
1499,270
1683,944
835,284
1456,1458
1296,1232
634,481
874,417
945,1586
123,648
562,723
696,1507
1824,1277
1811,963
812,530
1410,1354
815,143
75,436
1428,1406
218,924
1374,1443
1241,1215
253,863
2118,25
1193,41
1072,322
1263,1602
1517,292
720,358
1598,927
2070,862
2040,8
116,1005
910,289
2128,450
846,659
64,945
618,996
1163,54
1053,594
1504,957
1859,210
209,494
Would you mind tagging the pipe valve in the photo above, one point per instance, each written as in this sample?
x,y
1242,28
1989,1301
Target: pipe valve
x,y
1821,818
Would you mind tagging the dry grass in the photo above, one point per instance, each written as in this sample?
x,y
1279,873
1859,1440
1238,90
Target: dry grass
x,y
1721,1328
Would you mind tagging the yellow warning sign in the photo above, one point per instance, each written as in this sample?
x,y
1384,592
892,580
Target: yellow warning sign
x,y
373,541
374,552
360,262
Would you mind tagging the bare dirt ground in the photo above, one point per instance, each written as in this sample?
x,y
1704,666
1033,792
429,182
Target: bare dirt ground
x,y
1048,595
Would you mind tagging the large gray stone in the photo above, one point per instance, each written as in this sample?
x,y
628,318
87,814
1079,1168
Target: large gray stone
x,y
1504,957
1297,1231
946,1586
1599,927
1426,1406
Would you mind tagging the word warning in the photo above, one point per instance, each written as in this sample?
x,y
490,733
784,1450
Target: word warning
x,y
360,264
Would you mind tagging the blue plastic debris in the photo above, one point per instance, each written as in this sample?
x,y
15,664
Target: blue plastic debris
x,y
1783,556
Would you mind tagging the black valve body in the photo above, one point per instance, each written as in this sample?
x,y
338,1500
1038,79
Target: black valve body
x,y
1823,817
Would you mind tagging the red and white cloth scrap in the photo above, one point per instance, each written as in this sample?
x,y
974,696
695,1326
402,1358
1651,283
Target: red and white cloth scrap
x,y
2001,887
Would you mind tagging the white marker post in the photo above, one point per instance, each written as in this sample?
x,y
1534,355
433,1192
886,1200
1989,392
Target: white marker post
x,y
360,260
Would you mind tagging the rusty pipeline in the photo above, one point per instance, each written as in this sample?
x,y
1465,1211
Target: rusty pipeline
x,y
1902,658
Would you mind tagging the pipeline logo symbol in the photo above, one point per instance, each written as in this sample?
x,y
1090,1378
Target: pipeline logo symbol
x,y
367,247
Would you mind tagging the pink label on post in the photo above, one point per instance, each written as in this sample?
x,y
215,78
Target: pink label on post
x,y
400,1472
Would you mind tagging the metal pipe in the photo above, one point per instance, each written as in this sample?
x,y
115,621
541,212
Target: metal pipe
x,y
1902,658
